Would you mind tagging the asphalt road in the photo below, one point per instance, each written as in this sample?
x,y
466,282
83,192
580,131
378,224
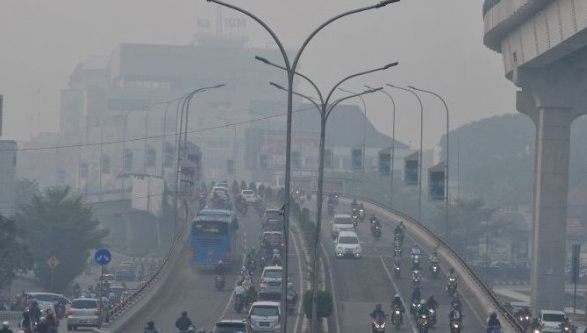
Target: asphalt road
x,y
193,290
360,284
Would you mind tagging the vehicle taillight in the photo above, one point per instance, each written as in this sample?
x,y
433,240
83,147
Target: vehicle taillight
x,y
97,312
70,312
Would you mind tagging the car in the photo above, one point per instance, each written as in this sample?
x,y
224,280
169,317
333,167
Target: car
x,y
249,196
341,222
550,320
230,326
272,240
264,316
222,184
347,244
270,280
47,300
84,312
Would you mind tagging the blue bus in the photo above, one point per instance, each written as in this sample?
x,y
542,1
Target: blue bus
x,y
213,237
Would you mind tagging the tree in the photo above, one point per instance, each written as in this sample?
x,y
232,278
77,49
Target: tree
x,y
16,257
25,190
59,224
235,188
253,187
325,304
243,185
261,191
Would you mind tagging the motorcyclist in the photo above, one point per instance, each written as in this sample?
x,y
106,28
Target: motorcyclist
x,y
361,211
35,312
452,273
434,258
42,326
276,260
151,327
455,315
183,323
415,276
493,324
252,256
354,204
219,269
377,312
292,294
415,250
397,303
51,320
432,303
456,302
565,323
5,327
239,290
535,324
373,219
251,295
26,323
423,308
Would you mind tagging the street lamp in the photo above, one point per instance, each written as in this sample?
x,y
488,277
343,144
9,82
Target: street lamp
x,y
420,153
392,145
290,68
446,195
325,108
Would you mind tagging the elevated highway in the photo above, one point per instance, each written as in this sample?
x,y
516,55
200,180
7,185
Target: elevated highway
x,y
544,48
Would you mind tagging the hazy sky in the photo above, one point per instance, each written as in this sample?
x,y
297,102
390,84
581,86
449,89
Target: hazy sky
x,y
438,44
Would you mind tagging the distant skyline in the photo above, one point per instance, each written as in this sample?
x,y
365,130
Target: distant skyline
x,y
438,44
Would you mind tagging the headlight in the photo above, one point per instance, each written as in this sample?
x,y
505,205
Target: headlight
x,y
397,312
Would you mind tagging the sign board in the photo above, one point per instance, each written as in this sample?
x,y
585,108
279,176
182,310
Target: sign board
x,y
53,262
102,257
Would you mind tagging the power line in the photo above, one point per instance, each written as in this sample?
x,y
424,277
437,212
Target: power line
x,y
160,136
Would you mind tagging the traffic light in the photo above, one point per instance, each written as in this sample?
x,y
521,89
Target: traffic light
x,y
295,160
327,158
384,163
263,162
436,182
356,158
411,169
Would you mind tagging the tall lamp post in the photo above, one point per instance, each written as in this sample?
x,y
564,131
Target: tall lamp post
x,y
446,179
420,153
291,68
392,145
325,108
364,137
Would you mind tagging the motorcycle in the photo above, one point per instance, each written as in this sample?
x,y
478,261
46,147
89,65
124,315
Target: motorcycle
x,y
455,326
397,252
239,303
525,320
451,287
566,327
416,262
252,266
219,282
396,317
376,231
423,323
355,217
434,270
362,214
432,316
378,324
292,299
416,278
397,270
414,308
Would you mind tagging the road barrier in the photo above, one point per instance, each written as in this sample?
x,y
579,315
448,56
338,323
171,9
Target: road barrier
x,y
486,298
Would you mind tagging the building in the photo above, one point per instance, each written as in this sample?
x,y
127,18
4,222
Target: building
x,y
7,177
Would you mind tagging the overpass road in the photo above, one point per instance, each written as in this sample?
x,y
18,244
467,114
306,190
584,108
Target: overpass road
x,y
360,284
193,291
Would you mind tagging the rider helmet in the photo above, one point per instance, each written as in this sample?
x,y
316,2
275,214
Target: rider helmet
x,y
184,314
239,283
220,262
151,324
493,315
451,270
378,307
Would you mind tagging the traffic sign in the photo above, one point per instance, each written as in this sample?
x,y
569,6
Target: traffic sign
x,y
102,257
53,262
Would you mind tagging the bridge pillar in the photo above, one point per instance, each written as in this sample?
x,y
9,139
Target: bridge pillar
x,y
552,98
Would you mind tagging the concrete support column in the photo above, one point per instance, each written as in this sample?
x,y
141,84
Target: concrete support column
x,y
553,99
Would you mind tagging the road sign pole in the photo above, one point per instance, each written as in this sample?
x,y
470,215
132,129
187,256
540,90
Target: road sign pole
x,y
101,288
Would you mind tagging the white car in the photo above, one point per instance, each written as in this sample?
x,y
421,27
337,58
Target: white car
x,y
347,245
341,222
264,316
249,196
550,320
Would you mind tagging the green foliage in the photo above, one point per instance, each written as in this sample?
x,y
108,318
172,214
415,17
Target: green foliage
x,y
308,228
25,190
253,186
261,191
16,257
269,194
59,224
324,302
243,185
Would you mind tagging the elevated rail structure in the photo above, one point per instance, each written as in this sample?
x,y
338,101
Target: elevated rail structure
x,y
544,49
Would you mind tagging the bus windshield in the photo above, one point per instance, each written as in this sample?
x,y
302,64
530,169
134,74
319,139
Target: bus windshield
x,y
210,228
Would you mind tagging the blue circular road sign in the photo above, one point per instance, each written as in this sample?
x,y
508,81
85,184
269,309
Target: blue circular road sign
x,y
102,257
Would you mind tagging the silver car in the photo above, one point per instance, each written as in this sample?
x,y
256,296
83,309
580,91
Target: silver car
x,y
84,312
271,279
264,317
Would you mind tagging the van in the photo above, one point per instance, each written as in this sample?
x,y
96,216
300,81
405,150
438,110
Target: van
x,y
550,320
264,316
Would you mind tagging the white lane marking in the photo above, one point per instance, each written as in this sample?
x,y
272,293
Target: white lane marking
x,y
229,303
298,310
336,322
397,290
